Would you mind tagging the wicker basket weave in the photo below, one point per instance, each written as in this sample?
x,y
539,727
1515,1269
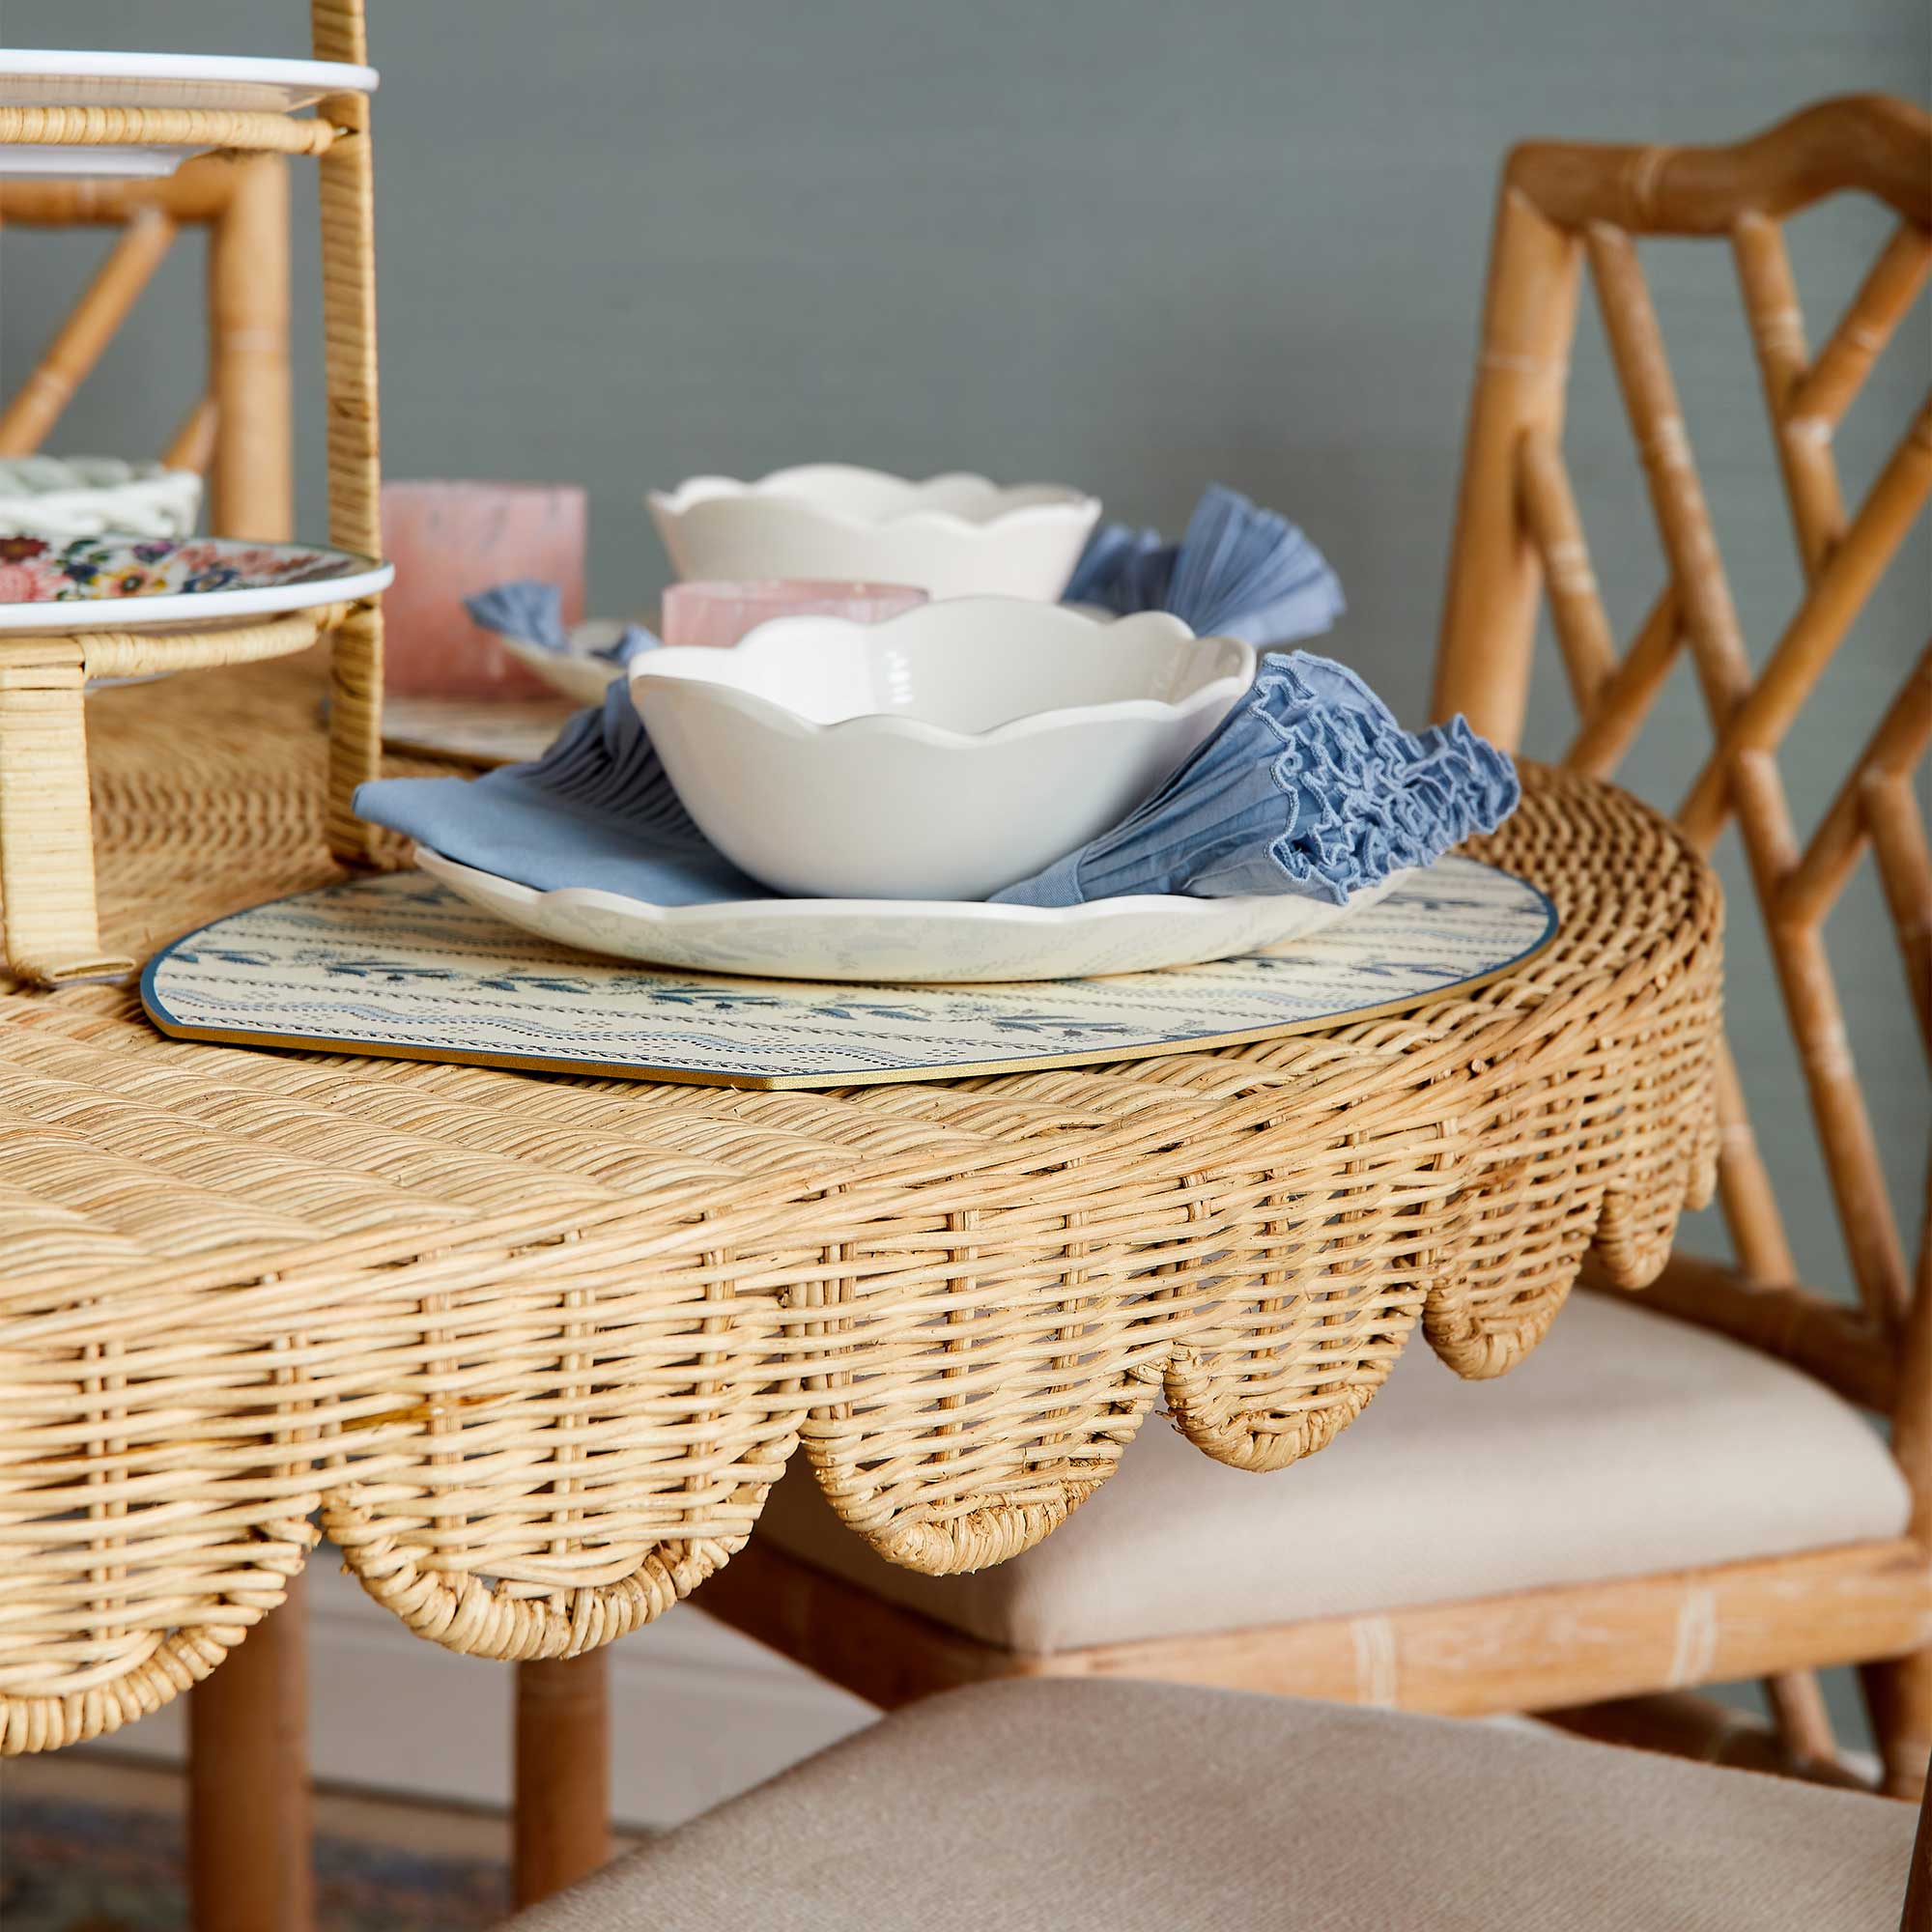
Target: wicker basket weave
x,y
533,1349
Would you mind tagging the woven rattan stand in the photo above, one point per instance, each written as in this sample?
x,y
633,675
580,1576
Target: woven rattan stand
x,y
531,1350
47,870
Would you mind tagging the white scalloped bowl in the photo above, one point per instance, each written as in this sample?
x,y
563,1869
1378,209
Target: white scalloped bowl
x,y
956,535
942,755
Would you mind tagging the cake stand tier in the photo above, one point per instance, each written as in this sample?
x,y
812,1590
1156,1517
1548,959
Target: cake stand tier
x,y
67,113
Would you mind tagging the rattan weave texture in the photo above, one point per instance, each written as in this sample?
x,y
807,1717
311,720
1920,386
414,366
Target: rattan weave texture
x,y
52,936
533,1349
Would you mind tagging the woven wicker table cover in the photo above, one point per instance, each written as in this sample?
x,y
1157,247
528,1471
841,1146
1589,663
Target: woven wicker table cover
x,y
531,1350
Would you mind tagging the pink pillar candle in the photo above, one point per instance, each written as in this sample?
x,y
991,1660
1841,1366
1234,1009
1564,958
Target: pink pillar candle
x,y
717,614
451,539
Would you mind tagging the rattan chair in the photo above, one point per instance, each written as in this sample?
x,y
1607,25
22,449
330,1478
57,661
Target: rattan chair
x,y
1145,1808
1616,1520
237,430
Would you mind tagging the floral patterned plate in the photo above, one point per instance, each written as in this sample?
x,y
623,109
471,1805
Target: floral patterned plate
x,y
55,585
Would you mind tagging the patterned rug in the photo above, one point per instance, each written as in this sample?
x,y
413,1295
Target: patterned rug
x,y
66,1866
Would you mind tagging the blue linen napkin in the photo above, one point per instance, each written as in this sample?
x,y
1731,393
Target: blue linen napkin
x,y
532,612
1238,572
596,810
1309,786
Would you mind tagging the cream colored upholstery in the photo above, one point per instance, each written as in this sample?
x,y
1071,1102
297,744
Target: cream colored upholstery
x,y
1626,1444
1102,1806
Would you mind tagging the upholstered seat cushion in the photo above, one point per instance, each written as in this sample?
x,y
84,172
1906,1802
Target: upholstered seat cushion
x,y
1627,1443
1098,1807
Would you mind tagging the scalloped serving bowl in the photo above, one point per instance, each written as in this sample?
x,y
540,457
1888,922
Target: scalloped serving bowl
x,y
942,755
956,535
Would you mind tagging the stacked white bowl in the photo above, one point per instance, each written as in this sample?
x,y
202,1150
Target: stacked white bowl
x,y
956,535
942,755
951,750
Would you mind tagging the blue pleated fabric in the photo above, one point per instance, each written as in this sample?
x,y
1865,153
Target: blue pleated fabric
x,y
1309,786
532,612
596,810
1238,572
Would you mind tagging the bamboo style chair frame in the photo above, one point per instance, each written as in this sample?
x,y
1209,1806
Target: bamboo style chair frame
x,y
47,895
1518,529
237,432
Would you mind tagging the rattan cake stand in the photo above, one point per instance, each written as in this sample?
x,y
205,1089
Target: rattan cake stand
x,y
48,864
531,1350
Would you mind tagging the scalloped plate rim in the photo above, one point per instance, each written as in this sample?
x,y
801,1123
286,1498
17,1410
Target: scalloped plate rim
x,y
525,906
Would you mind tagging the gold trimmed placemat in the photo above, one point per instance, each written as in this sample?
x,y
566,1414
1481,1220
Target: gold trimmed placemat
x,y
400,966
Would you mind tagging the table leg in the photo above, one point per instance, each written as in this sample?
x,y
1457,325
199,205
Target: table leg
x,y
47,817
248,1793
563,1794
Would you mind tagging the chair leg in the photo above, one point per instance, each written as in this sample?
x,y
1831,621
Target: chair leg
x,y
1797,1710
1898,1696
251,476
563,1774
248,1795
1918,1886
47,817
1681,1724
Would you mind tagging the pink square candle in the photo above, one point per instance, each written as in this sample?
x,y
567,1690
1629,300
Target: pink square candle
x,y
451,539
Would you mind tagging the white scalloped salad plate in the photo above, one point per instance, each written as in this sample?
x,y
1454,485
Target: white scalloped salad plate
x,y
918,940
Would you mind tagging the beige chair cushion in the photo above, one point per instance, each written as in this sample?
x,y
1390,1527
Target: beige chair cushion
x,y
1626,1444
1103,1806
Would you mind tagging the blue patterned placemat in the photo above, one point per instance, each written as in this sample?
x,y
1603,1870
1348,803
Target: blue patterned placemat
x,y
399,965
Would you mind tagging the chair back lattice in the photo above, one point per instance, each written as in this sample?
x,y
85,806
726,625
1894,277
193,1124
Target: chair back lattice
x,y
237,429
1520,537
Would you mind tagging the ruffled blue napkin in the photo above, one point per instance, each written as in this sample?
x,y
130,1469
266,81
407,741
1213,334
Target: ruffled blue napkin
x,y
1309,786
532,612
1240,572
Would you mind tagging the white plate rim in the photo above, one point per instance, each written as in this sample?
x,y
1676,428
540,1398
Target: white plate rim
x,y
961,911
54,618
555,668
1059,942
311,78
31,161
